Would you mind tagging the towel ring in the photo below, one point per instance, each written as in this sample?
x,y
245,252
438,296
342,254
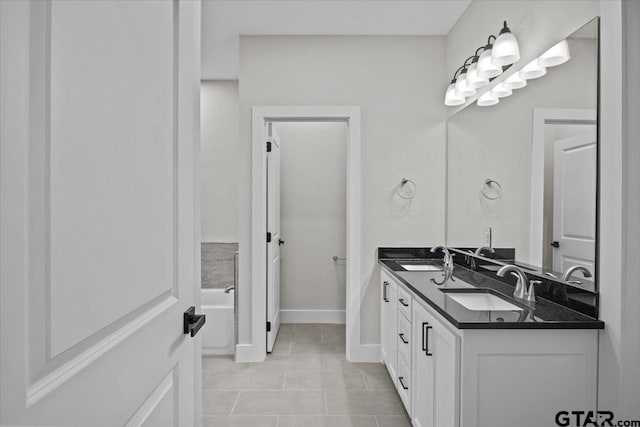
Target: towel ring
x,y
491,189
406,189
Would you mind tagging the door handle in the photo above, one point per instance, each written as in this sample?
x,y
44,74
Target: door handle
x,y
280,242
425,338
192,322
403,339
403,303
555,244
402,383
384,291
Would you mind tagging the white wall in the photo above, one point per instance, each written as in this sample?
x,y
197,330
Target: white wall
x,y
313,215
630,389
399,86
219,160
495,142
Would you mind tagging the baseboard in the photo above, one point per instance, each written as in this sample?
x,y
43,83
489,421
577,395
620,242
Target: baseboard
x,y
246,353
217,351
366,353
313,316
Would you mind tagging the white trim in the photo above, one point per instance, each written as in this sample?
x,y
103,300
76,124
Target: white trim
x,y
611,296
218,351
260,116
541,117
313,316
249,353
370,353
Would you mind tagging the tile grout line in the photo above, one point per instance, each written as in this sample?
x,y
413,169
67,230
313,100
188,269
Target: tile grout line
x,y
364,378
235,403
326,404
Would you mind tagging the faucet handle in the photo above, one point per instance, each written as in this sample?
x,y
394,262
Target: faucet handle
x,y
531,296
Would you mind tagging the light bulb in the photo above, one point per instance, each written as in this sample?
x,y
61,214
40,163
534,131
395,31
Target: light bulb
x,y
487,100
532,70
500,91
505,49
514,81
558,54
462,90
473,79
486,69
451,98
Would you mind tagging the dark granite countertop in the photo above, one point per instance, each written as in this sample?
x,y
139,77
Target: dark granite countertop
x,y
437,288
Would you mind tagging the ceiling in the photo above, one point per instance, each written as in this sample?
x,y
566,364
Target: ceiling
x,y
223,21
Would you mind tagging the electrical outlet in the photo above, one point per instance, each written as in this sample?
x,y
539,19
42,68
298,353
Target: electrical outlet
x,y
486,237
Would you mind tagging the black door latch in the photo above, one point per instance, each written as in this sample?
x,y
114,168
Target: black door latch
x,y
192,321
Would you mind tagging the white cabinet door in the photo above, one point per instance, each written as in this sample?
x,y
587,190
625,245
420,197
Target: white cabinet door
x,y
446,349
99,252
422,369
435,371
389,326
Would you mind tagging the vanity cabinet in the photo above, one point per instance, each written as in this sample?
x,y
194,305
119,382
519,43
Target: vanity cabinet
x,y
482,377
436,355
389,326
397,336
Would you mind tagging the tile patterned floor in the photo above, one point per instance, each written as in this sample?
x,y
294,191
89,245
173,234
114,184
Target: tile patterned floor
x,y
305,382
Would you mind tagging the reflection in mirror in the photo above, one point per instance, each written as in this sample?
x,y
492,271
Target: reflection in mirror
x,y
527,168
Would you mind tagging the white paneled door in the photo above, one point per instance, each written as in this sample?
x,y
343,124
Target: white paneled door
x,y
274,238
574,202
98,259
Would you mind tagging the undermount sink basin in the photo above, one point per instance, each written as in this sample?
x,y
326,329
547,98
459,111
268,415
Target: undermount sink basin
x,y
482,301
420,267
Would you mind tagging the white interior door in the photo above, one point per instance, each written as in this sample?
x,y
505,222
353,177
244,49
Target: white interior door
x,y
574,202
98,254
273,237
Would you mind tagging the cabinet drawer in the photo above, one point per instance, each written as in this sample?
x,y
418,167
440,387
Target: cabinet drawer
x,y
404,338
404,384
404,303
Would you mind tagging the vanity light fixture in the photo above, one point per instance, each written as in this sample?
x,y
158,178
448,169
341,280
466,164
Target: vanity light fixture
x,y
500,91
462,89
488,62
474,79
486,69
532,70
558,54
514,81
505,49
487,100
451,98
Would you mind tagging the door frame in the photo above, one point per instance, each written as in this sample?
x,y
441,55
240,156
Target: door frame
x,y
541,118
260,117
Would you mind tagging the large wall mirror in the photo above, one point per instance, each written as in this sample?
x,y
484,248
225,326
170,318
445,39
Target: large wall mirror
x,y
527,167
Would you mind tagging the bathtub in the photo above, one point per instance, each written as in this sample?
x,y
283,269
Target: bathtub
x,y
218,333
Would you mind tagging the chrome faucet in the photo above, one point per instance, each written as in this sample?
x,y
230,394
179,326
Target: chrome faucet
x,y
448,258
523,281
479,250
567,274
229,289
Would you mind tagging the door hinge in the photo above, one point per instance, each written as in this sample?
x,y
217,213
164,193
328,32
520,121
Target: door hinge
x,y
268,237
268,146
268,326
